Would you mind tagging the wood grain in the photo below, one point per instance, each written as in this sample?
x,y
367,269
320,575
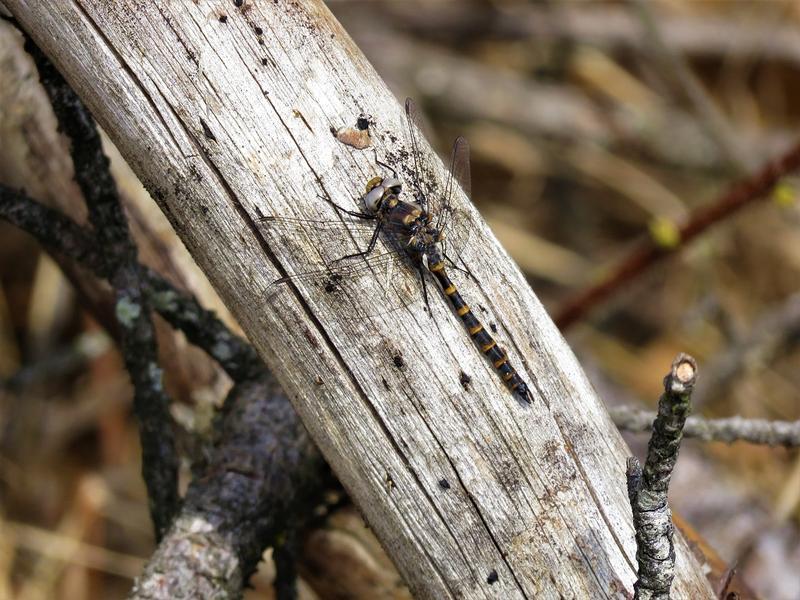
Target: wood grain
x,y
226,119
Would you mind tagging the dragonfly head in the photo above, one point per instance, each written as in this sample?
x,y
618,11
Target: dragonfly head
x,y
378,190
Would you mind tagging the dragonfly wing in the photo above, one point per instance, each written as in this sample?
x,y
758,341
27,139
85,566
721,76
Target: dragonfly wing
x,y
373,284
316,241
454,221
419,165
449,218
459,166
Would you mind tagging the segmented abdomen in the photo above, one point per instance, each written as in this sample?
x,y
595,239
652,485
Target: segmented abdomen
x,y
482,338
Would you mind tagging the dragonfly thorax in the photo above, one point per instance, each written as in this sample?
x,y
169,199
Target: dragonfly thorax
x,y
422,236
424,241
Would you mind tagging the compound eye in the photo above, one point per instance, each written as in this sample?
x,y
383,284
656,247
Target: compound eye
x,y
395,185
372,200
373,183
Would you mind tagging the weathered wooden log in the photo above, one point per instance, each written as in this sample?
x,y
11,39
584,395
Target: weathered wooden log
x,y
225,111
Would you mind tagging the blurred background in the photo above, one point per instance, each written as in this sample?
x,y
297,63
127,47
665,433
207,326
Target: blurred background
x,y
593,125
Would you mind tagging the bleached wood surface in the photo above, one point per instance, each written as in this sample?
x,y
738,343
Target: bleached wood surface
x,y
224,121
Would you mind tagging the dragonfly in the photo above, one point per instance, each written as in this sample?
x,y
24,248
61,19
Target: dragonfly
x,y
427,233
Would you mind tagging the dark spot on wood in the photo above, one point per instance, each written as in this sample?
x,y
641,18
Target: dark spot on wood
x,y
261,41
238,3
319,380
493,327
444,484
223,18
204,210
265,61
508,475
196,175
492,578
258,30
398,361
550,450
207,131
332,283
362,123
311,339
385,384
390,485
465,380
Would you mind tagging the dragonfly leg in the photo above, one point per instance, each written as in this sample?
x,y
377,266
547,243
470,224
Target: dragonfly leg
x,y
422,199
463,269
421,270
369,249
352,213
385,166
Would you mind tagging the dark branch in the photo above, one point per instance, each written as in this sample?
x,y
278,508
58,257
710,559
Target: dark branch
x,y
52,229
202,328
90,163
119,264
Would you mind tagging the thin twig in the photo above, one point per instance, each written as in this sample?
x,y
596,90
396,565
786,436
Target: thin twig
x,y
647,252
52,229
733,429
647,489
